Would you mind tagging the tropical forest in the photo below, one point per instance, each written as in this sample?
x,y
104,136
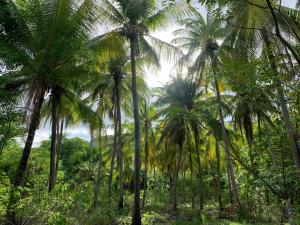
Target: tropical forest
x,y
149,112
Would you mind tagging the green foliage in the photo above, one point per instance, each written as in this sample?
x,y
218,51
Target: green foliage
x,y
233,63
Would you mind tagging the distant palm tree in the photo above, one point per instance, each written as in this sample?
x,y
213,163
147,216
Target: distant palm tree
x,y
35,39
184,112
114,84
147,116
199,37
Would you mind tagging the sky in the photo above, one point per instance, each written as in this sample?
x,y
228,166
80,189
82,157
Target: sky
x,y
156,79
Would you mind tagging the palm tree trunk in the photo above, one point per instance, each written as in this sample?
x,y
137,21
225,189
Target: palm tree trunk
x,y
174,185
283,105
113,156
191,181
136,218
146,160
196,138
59,146
20,173
54,102
219,177
98,181
233,185
90,172
120,152
183,181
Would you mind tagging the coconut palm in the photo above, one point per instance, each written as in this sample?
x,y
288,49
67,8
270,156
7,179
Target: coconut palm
x,y
114,83
184,112
262,37
199,37
35,44
147,116
133,20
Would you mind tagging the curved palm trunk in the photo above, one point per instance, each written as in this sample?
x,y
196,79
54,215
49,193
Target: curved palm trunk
x,y
113,157
146,160
291,134
136,218
52,174
20,173
120,152
233,185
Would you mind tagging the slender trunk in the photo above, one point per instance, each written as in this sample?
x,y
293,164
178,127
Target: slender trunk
x,y
270,148
183,180
120,151
177,167
146,160
197,142
191,181
90,173
54,102
219,177
59,146
284,108
98,181
229,186
136,218
113,157
291,212
233,186
20,173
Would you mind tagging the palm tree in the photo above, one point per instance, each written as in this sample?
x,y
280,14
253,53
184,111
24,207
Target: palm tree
x,y
252,25
183,113
133,20
32,36
114,83
147,115
200,38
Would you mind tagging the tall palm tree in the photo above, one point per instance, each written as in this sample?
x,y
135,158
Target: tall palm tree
x,y
35,40
114,83
133,20
199,37
147,116
183,112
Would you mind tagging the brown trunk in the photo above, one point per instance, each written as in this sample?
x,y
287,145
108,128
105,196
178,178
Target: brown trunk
x,y
20,173
136,217
54,102
59,146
